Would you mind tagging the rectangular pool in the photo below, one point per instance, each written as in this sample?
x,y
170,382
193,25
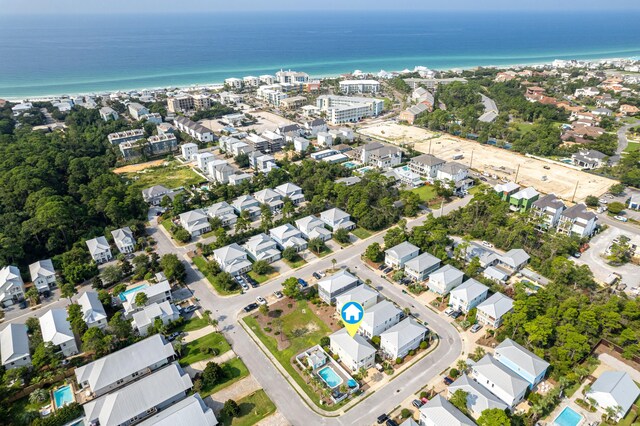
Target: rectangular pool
x,y
63,396
568,417
330,377
350,165
123,295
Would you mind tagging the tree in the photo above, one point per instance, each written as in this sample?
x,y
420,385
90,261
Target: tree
x,y
43,355
38,396
316,245
96,341
111,274
212,374
341,235
230,408
120,327
290,288
68,290
75,316
261,267
243,222
173,268
264,309
225,281
615,208
267,216
242,160
181,234
33,295
591,201
290,254
617,189
394,236
141,299
104,297
493,417
459,400
373,252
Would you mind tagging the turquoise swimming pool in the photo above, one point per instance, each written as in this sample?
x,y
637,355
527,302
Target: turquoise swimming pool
x,y
568,417
63,396
350,165
330,377
124,294
364,170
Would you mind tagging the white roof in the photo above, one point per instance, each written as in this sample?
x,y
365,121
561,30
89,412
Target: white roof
x,y
335,214
14,343
191,411
98,245
618,389
121,364
515,257
149,313
121,405
446,274
441,412
123,236
478,397
308,223
496,306
287,188
522,357
259,242
402,250
380,313
469,290
526,193
356,347
285,232
92,308
337,281
55,327
41,268
404,332
358,294
501,376
193,216
422,262
150,291
267,195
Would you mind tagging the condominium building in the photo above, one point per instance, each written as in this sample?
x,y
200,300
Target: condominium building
x,y
359,86
346,109
126,136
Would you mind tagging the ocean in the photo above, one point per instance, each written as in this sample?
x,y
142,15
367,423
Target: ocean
x,y
51,55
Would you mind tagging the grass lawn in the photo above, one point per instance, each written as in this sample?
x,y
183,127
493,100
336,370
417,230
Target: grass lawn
x,y
263,278
296,263
253,408
347,244
195,351
632,147
631,419
195,323
303,330
234,370
425,192
201,264
172,176
361,233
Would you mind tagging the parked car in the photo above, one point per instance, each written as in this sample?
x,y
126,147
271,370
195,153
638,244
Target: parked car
x,y
382,418
475,328
391,422
22,304
382,266
620,218
261,300
173,336
250,307
316,275
449,311
303,283
577,255
244,286
189,309
487,244
603,201
416,403
456,314
448,380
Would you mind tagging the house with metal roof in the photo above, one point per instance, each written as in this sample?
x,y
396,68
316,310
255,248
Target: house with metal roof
x,y
513,260
42,274
156,193
56,330
93,312
492,310
397,256
478,397
311,227
523,199
147,316
426,165
337,219
506,190
334,285
232,259
500,380
362,294
614,389
271,198
521,361
222,211
379,318
195,222
354,352
262,247
439,412
140,399
468,295
288,236
445,279
419,268
126,365
124,240
99,249
191,411
397,341
14,346
291,191
248,203
11,285
495,274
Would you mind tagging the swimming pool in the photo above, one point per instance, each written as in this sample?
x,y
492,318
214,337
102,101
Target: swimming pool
x,y
330,377
124,294
63,396
568,417
350,165
363,170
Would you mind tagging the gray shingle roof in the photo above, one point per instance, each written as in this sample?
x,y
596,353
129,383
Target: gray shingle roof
x,y
497,305
422,262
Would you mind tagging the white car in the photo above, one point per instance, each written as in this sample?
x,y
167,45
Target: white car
x,y
261,300
487,244
449,311
603,201
620,218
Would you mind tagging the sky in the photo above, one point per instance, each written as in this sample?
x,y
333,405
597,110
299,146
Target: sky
x,y
65,7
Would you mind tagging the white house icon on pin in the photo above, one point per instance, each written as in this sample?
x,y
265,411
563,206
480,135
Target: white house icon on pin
x,y
352,313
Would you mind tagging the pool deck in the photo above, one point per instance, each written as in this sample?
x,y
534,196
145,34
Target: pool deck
x,y
72,391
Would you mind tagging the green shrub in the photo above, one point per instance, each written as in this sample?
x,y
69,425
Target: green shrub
x,y
399,360
405,413
424,345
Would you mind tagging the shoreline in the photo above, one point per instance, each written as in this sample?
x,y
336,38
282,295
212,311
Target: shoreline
x,y
196,85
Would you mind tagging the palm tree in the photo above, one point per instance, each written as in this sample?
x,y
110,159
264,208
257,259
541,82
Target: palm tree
x,y
33,295
462,365
333,263
364,373
214,323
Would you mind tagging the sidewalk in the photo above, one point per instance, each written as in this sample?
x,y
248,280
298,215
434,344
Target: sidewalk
x,y
199,366
190,336
236,391
276,419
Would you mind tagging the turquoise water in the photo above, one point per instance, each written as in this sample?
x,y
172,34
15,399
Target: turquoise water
x,y
568,417
350,165
364,170
330,377
63,396
124,294
42,55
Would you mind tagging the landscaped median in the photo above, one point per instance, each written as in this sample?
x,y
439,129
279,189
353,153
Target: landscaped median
x,y
206,347
233,371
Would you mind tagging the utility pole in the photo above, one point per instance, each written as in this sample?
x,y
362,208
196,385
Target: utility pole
x,y
574,191
471,161
442,207
517,172
430,141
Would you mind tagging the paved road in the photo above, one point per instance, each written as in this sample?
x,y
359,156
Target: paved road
x,y
622,139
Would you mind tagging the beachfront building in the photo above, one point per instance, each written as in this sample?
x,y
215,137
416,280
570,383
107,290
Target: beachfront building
x,y
43,276
345,109
397,341
334,285
349,87
354,352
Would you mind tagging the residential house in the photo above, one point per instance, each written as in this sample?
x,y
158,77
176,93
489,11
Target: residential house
x,y
497,275
354,352
147,316
222,211
220,171
271,198
155,194
362,294
124,240
14,347
248,203
195,130
203,160
577,221
288,236
445,279
258,143
589,159
190,411
380,317
492,310
334,285
512,261
315,126
156,293
300,144
548,210
56,330
93,312
439,412
107,113
500,380
426,165
634,202
262,247
126,136
311,227
506,190
43,275
523,199
262,163
521,361
324,139
136,110
397,256
232,259
403,337
195,222
99,249
291,191
456,174
11,285
410,114
419,268
140,399
124,366
479,398
337,219
468,295
614,390
274,141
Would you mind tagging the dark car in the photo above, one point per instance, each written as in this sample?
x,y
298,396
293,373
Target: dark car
x,y
381,267
250,307
382,418
416,403
448,380
189,308
316,275
303,283
392,422
456,314
22,305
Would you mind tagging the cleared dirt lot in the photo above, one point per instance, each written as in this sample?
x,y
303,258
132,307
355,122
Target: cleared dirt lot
x,y
560,180
137,167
